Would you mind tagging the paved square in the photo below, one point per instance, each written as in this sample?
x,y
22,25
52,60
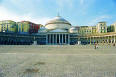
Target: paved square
x,y
57,61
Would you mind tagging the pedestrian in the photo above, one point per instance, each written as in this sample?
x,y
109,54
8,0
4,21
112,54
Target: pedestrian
x,y
95,46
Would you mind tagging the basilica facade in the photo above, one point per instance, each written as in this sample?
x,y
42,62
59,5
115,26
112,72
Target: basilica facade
x,y
59,31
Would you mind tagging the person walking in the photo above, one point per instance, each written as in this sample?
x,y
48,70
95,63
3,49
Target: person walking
x,y
95,46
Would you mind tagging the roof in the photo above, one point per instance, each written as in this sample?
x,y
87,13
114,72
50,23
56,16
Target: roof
x,y
58,19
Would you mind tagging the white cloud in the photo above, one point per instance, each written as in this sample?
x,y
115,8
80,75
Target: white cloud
x,y
6,14
98,19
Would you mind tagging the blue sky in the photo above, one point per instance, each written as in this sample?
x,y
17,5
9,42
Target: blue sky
x,y
77,12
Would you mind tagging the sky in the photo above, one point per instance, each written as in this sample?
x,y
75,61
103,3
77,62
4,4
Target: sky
x,y
77,12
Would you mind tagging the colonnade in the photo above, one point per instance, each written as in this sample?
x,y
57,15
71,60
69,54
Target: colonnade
x,y
56,39
101,39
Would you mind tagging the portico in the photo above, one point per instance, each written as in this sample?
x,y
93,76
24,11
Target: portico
x,y
103,38
57,38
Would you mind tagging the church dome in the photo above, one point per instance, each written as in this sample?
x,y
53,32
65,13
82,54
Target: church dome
x,y
73,30
58,23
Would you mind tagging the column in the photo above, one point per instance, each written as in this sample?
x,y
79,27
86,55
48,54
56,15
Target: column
x,y
65,38
68,39
49,38
46,39
108,40
111,39
114,39
53,38
56,38
62,39
59,38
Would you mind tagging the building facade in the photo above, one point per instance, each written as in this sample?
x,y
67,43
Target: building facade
x,y
87,30
8,26
101,27
27,27
113,27
56,31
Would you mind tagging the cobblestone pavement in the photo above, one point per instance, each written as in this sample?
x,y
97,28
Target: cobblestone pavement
x,y
57,61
